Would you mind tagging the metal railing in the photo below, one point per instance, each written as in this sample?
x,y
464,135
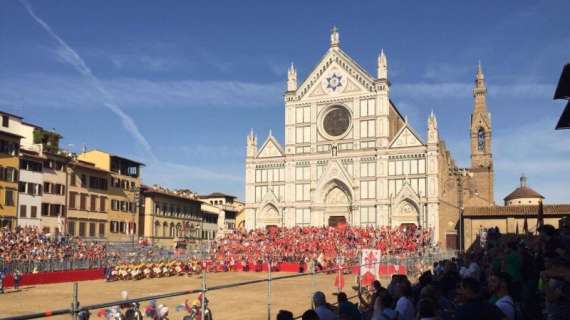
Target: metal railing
x,y
414,266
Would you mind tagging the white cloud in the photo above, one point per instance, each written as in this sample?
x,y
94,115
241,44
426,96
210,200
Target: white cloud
x,y
461,90
49,91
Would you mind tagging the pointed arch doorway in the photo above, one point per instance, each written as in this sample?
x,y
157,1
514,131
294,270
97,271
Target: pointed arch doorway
x,y
337,206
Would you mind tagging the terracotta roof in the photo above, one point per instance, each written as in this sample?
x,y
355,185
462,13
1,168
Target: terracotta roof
x,y
217,195
523,192
549,209
150,190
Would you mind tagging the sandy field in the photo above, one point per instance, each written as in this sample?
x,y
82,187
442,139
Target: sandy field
x,y
246,302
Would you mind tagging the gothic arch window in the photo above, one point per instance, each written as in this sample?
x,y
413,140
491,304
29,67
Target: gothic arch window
x,y
481,140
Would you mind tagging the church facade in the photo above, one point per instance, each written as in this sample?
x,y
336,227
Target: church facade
x,y
350,156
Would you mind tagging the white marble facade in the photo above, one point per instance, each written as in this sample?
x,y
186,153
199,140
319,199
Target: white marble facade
x,y
340,160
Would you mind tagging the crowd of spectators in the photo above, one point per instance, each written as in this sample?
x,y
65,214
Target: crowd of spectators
x,y
511,277
31,244
323,244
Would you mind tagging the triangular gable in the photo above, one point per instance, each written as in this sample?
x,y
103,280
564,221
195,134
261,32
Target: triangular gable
x,y
406,137
407,192
270,149
358,79
334,171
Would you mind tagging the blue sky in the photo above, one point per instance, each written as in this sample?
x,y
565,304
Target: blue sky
x,y
195,76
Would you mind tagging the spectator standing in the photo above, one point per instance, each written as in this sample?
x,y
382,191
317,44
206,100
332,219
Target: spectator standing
x,y
284,315
404,304
322,308
499,286
17,278
347,308
383,309
474,307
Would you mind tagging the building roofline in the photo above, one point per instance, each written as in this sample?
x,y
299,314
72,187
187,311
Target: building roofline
x,y
11,114
114,155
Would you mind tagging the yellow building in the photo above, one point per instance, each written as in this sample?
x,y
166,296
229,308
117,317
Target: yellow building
x,y
9,168
87,200
123,192
169,215
523,204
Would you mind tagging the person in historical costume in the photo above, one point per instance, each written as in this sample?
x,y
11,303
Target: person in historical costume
x,y
148,271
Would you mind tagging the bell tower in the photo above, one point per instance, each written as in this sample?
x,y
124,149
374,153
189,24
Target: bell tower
x,y
481,170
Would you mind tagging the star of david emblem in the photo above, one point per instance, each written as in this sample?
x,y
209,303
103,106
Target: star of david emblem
x,y
334,81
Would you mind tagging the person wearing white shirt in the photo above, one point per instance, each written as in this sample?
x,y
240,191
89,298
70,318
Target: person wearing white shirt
x,y
499,286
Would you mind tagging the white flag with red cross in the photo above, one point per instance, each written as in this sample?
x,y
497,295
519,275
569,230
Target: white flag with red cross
x,y
369,266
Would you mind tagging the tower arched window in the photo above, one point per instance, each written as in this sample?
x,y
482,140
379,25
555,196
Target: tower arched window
x,y
481,140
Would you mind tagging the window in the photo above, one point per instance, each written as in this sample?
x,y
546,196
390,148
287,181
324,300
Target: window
x,y
83,181
82,229
367,216
22,187
72,179
367,107
102,204
97,183
303,192
93,203
367,128
71,227
8,147
114,227
83,201
9,198
33,211
368,189
72,196
5,121
92,229
47,187
303,134
303,115
368,169
481,140
101,230
22,211
303,173
303,217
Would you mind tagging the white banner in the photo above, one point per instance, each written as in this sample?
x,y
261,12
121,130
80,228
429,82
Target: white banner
x,y
369,266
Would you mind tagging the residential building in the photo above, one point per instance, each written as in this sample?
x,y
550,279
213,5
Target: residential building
x,y
229,205
169,215
30,188
210,225
54,192
88,200
9,170
122,187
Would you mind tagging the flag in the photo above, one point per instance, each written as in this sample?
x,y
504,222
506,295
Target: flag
x,y
369,266
540,216
339,280
525,226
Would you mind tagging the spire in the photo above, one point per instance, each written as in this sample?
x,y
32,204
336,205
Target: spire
x,y
270,133
432,120
251,144
382,67
432,129
292,78
335,38
480,88
524,182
